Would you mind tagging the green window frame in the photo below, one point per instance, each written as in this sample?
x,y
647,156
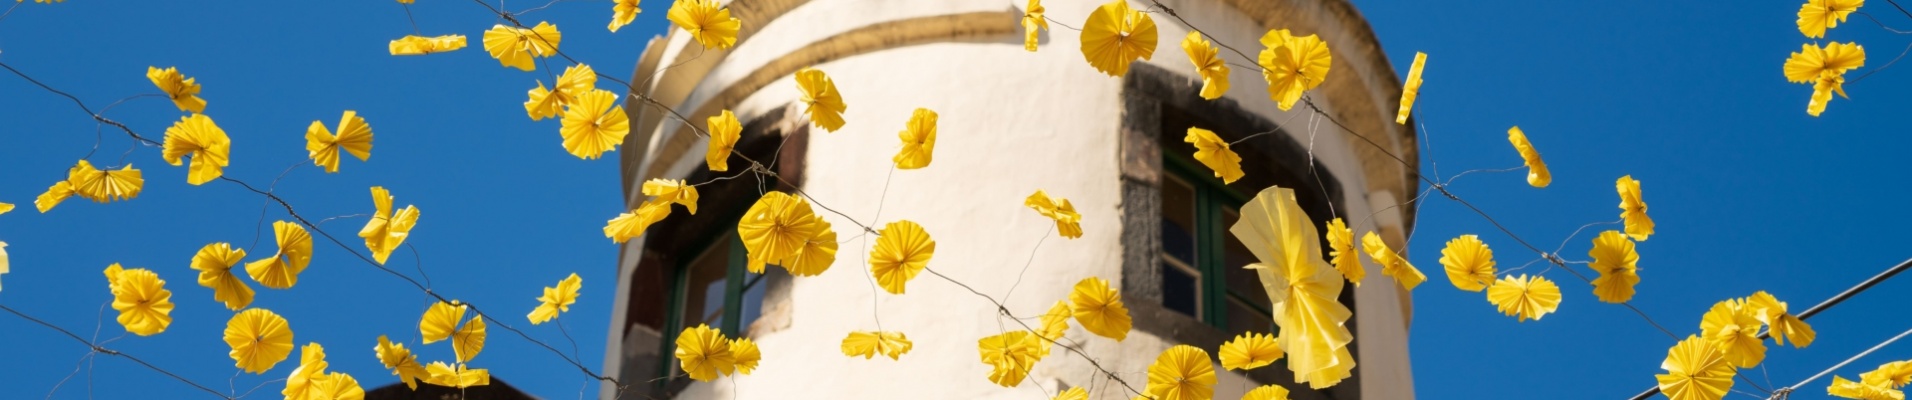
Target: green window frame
x,y
1213,202
738,282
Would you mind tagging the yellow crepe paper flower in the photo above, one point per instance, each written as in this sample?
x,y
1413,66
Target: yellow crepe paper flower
x,y
746,354
59,192
183,91
1392,264
309,375
516,47
1523,298
1267,392
1010,356
355,136
622,13
439,320
469,340
556,299
1824,68
1099,308
1882,383
1074,393
1302,288
870,343
214,263
1341,252
632,224
903,249
1772,312
1116,35
1292,65
549,103
703,353
1818,15
282,270
1033,23
711,25
197,136
1618,265
816,255
414,45
594,125
259,339
1633,209
1068,222
459,377
724,132
1411,89
336,386
1733,330
1055,322
1695,371
1182,373
777,226
1469,263
401,361
1822,90
1537,174
388,228
821,100
675,191
144,304
1214,153
1208,64
1249,351
101,186
919,140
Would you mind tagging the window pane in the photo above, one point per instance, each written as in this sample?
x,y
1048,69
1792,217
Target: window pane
x,y
752,308
1180,291
1178,220
704,287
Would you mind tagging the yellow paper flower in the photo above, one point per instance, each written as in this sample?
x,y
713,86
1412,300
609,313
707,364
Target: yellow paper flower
x,y
870,343
214,263
1782,325
282,269
414,45
1010,356
1074,393
1822,90
903,249
336,386
1824,68
1033,24
1817,15
516,47
439,320
1068,222
821,99
1633,209
632,224
1537,174
549,103
1861,390
1525,299
816,255
1695,371
1116,35
1292,65
1208,64
1099,308
622,13
1733,330
1469,263
469,340
144,304
5,207
1182,373
556,299
1392,264
777,226
1411,89
1618,265
388,229
1341,252
710,25
1249,351
401,361
102,186
724,132
259,339
746,354
197,136
1267,392
1214,153
309,375
1055,322
1302,288
182,90
919,140
674,191
459,377
704,352
594,125
355,136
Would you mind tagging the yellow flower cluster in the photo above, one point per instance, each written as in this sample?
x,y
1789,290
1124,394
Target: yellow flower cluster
x,y
704,353
1702,366
1824,67
781,229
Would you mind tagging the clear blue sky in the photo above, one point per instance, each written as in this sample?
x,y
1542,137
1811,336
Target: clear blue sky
x,y
1749,192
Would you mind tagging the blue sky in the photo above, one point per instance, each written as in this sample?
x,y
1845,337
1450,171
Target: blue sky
x,y
1749,192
